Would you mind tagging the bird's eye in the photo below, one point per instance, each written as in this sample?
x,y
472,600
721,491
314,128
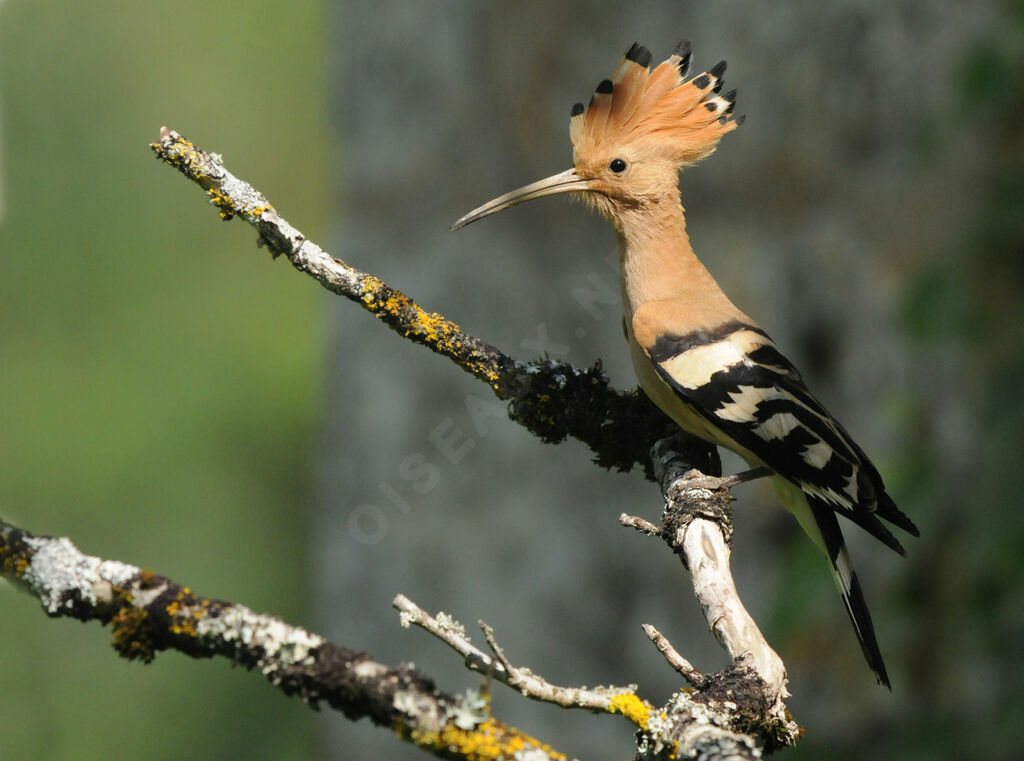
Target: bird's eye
x,y
618,166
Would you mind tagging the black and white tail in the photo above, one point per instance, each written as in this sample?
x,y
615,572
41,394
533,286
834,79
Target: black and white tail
x,y
849,588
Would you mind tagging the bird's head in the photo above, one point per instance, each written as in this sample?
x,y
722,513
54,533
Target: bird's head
x,y
640,128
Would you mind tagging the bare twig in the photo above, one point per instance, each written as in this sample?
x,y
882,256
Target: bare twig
x,y
452,633
675,660
537,687
149,613
531,685
642,525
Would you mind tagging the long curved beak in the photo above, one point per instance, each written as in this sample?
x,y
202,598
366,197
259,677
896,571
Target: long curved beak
x,y
564,182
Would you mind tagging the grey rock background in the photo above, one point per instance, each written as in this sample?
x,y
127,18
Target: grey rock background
x,y
838,216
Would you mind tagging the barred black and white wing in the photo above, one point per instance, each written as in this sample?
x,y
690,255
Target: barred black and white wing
x,y
737,380
748,397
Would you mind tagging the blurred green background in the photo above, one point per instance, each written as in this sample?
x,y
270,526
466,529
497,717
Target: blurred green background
x,y
157,405
163,381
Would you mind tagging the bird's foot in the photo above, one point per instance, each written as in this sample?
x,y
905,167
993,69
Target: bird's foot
x,y
746,475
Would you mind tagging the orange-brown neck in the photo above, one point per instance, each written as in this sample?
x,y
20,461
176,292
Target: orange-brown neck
x,y
656,260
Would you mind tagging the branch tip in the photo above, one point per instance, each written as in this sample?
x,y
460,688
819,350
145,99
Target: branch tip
x,y
675,660
642,525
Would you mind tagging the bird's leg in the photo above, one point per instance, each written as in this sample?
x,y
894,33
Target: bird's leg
x,y
679,452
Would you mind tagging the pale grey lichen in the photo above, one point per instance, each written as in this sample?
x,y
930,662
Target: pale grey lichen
x,y
422,710
695,730
369,670
449,624
470,709
531,754
60,573
283,645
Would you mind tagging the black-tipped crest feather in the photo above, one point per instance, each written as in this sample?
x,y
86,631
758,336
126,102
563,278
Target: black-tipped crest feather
x,y
684,51
640,55
641,103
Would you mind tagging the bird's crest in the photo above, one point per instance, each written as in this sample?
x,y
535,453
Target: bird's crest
x,y
682,118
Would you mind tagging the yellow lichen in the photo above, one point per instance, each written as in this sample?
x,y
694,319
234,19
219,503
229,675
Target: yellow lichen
x,y
488,741
132,637
223,202
183,155
432,329
258,211
632,707
185,615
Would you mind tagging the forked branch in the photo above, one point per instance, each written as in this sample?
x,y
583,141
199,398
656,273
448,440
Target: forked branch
x,y
530,684
736,713
739,711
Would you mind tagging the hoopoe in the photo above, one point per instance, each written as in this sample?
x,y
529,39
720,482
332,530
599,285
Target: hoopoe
x,y
704,362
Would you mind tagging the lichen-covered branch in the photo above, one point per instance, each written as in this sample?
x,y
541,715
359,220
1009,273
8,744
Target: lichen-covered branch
x,y
552,399
734,714
739,712
149,613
